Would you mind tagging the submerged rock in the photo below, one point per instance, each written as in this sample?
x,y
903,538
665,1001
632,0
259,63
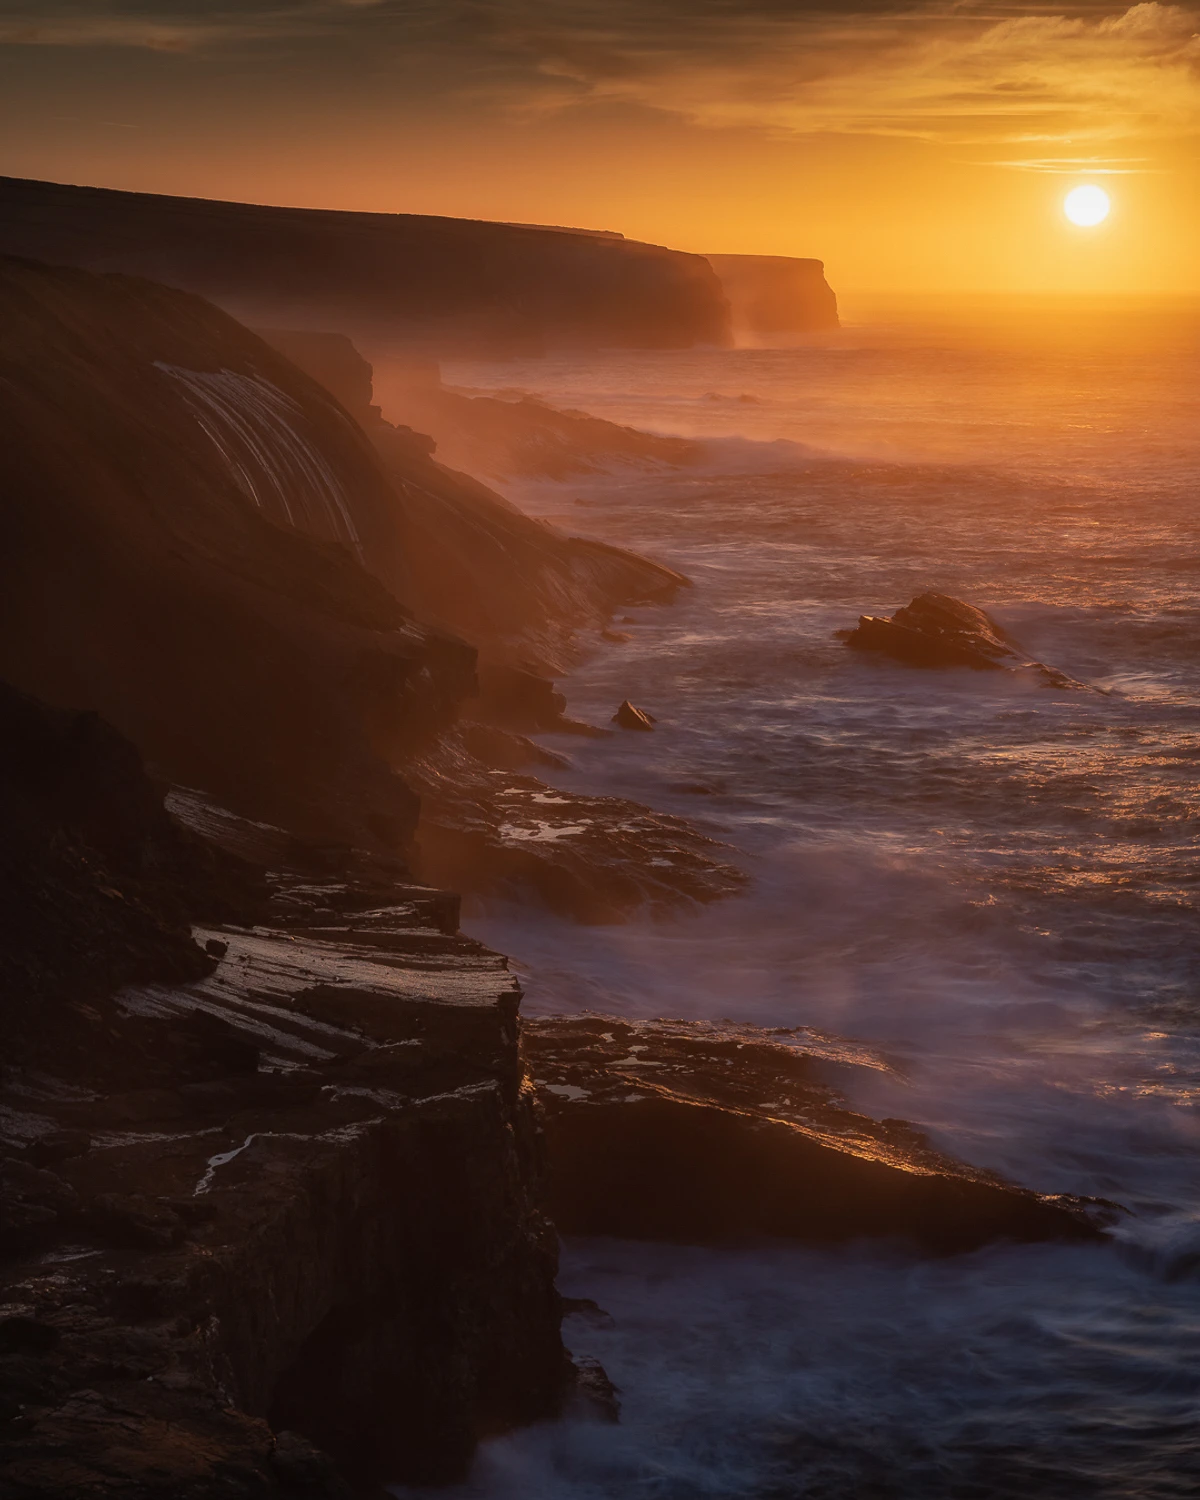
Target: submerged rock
x,y
629,717
937,630
697,1132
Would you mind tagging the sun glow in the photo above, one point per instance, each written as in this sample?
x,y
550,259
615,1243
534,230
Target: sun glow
x,y
1086,206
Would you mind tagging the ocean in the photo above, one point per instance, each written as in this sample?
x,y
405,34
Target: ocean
x,y
991,883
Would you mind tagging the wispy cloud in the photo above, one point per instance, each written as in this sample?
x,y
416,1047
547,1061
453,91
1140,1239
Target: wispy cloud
x,y
1074,166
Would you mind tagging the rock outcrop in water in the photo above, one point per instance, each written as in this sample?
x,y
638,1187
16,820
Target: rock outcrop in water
x,y
700,1132
774,296
628,716
456,284
936,630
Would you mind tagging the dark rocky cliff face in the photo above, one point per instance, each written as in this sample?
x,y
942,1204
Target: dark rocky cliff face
x,y
185,515
772,296
269,1192
202,545
457,283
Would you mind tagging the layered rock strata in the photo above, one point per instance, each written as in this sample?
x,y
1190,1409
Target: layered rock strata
x,y
595,859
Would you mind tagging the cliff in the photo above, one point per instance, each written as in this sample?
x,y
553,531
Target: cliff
x,y
269,1189
185,517
772,296
454,283
205,548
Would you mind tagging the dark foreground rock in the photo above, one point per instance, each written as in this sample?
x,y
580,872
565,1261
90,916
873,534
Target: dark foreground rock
x,y
697,1132
936,630
279,1223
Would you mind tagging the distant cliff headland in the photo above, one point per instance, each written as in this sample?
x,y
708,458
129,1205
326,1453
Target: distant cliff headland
x,y
775,296
449,284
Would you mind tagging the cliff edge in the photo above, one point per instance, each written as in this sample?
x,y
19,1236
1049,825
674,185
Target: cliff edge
x,y
455,284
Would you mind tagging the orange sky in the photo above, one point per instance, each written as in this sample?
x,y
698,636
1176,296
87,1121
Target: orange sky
x,y
922,147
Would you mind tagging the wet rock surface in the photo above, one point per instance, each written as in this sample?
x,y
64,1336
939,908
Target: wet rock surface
x,y
277,1228
936,630
696,1132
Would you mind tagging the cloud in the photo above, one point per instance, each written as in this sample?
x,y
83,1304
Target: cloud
x,y
1036,86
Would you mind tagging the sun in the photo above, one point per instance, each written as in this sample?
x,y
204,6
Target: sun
x,y
1086,206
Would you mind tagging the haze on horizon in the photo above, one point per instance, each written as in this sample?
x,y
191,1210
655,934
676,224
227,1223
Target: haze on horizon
x,y
912,147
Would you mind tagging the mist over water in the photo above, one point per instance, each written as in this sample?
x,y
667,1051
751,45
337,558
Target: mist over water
x,y
991,884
